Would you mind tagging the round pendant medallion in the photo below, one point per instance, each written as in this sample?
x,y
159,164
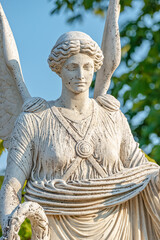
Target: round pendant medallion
x,y
84,149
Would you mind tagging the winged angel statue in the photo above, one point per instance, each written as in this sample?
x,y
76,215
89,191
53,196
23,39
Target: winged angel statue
x,y
86,176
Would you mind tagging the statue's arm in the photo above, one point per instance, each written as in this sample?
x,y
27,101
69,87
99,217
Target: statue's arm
x,y
111,48
19,165
10,194
130,153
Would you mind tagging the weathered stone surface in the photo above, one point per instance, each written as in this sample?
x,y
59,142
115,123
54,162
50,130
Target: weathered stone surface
x,y
86,176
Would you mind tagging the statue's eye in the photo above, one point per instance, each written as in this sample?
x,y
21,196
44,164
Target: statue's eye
x,y
87,67
71,67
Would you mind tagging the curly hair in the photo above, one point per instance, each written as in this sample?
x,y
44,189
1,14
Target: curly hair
x,y
67,46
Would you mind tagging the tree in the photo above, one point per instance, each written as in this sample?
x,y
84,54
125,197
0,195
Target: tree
x,y
138,89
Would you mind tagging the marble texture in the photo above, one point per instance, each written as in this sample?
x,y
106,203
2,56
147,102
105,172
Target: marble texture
x,y
86,176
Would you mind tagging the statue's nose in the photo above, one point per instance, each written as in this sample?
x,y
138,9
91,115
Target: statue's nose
x,y
80,74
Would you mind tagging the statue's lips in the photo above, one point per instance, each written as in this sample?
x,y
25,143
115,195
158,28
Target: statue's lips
x,y
80,83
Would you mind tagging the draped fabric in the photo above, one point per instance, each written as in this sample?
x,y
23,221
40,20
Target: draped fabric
x,y
114,196
127,221
89,196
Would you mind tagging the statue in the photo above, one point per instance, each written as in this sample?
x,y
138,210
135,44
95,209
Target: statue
x,y
86,176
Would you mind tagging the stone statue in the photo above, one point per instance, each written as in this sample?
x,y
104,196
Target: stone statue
x,y
86,176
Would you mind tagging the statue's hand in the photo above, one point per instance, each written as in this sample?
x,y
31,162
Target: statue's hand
x,y
10,232
39,222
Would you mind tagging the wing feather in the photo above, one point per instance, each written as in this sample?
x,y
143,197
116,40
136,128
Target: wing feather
x,y
11,100
10,122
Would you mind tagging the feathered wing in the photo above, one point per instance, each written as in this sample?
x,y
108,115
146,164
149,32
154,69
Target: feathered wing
x,y
111,48
13,91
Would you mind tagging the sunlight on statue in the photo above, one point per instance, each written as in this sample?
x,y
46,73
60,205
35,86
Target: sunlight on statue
x,y
86,176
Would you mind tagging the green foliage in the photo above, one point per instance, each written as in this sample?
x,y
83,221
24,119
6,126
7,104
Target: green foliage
x,y
143,77
139,88
1,181
149,159
25,232
1,147
76,8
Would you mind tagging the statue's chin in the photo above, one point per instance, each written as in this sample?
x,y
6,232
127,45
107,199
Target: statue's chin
x,y
79,89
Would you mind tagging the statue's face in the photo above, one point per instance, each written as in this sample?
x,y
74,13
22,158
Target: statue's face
x,y
77,73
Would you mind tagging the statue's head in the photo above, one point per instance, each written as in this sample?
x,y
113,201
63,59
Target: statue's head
x,y
72,43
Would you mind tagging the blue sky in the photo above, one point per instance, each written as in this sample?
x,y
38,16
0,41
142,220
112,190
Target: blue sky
x,y
35,32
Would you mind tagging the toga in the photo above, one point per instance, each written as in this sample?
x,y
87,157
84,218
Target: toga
x,y
90,176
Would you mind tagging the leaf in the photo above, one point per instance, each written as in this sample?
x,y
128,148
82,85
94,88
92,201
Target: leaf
x,y
1,147
149,158
156,152
76,17
99,11
88,4
25,231
1,181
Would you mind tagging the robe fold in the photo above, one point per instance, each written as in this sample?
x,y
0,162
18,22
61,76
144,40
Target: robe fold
x,y
109,194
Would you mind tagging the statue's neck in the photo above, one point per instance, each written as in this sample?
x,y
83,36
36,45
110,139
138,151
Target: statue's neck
x,y
78,102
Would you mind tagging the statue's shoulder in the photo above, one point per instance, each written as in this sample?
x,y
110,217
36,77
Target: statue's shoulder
x,y
32,113
33,110
108,102
34,105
